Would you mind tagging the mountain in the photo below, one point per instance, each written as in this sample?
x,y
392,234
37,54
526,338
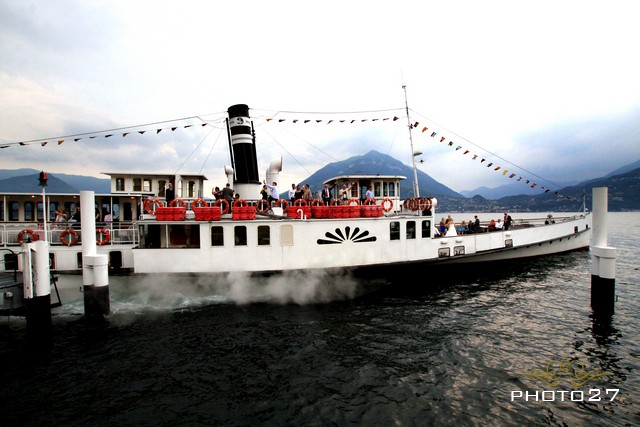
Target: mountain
x,y
623,192
515,189
26,181
623,188
510,189
624,169
375,162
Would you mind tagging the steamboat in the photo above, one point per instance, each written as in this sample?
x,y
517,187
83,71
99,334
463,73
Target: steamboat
x,y
373,229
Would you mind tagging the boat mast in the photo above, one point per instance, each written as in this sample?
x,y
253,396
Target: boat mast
x,y
416,187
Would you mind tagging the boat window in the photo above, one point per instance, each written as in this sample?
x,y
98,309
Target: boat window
x,y
10,261
411,229
39,211
394,230
79,260
458,250
14,211
217,236
191,189
385,189
354,189
137,184
178,188
240,235
28,211
1,211
376,189
53,207
183,236
69,207
146,185
119,184
264,235
444,252
392,189
426,229
162,184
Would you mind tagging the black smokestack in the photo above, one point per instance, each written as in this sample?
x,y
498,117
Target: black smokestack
x,y
243,145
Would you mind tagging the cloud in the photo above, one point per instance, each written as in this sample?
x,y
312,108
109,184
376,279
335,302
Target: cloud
x,y
510,79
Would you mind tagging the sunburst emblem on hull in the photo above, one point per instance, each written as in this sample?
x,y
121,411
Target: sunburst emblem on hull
x,y
340,236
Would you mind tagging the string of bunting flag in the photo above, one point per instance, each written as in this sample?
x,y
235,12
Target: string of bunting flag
x,y
430,131
436,136
115,133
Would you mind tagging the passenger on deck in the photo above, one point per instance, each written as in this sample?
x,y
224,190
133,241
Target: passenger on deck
x,y
492,225
326,195
476,225
499,225
292,194
507,221
442,227
344,194
227,194
549,220
169,193
450,221
61,215
471,227
275,192
217,193
369,193
108,219
462,229
306,195
299,194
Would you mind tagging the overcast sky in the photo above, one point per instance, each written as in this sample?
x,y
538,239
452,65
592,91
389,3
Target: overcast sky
x,y
549,90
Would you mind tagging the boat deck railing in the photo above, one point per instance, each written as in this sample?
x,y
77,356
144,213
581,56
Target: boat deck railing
x,y
67,234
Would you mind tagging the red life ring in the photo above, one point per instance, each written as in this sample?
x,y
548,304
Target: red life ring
x,y
335,202
369,201
33,234
262,206
300,202
176,202
385,202
102,240
353,199
413,204
282,202
196,203
240,203
424,204
149,202
72,240
317,202
223,202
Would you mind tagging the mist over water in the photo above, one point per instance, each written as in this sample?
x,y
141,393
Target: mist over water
x,y
148,293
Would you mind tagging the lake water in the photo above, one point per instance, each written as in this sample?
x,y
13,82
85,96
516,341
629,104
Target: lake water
x,y
301,351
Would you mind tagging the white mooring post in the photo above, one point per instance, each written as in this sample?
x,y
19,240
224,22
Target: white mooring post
x,y
95,268
37,286
603,257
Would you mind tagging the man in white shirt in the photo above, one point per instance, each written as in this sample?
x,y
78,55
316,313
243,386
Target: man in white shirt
x,y
292,194
275,192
